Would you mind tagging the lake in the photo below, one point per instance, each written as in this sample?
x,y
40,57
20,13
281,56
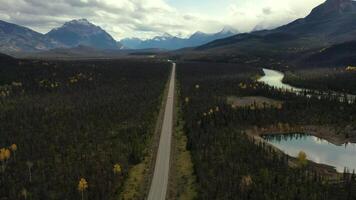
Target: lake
x,y
317,150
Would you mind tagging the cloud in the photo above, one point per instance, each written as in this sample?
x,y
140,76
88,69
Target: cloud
x,y
262,14
267,11
121,18
148,18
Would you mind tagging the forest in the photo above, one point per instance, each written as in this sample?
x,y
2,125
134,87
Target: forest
x,y
342,79
73,129
229,164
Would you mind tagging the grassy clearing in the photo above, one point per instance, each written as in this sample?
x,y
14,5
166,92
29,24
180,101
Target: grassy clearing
x,y
182,177
132,188
257,101
186,180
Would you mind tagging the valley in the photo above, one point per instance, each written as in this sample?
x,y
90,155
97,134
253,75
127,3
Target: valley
x,y
134,110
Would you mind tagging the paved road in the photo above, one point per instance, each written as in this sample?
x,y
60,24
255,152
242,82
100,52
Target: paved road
x,y
159,184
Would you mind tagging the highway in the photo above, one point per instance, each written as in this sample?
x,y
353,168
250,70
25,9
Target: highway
x,y
159,184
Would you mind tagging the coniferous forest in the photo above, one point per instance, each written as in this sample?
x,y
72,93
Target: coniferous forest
x,y
72,130
229,164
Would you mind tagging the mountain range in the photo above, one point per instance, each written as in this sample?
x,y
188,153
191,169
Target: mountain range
x,y
15,39
170,42
330,23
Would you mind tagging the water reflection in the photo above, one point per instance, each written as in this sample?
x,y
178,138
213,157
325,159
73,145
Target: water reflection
x,y
318,150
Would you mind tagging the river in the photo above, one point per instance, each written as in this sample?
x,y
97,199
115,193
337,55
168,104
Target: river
x,y
275,78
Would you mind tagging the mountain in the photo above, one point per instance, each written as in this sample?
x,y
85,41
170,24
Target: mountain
x,y
131,43
4,57
343,54
15,38
330,23
82,32
85,52
167,41
200,38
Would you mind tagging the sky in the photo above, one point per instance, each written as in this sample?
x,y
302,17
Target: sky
x,y
149,18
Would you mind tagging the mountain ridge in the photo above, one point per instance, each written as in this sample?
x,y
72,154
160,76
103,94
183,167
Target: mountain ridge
x,y
167,41
18,38
329,23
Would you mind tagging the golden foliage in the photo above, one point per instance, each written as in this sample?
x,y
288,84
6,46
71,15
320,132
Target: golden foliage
x,y
45,83
5,91
243,86
302,159
17,84
117,169
4,154
80,77
13,147
351,68
246,182
217,109
83,185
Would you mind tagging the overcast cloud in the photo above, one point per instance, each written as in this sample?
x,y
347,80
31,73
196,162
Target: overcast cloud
x,y
147,18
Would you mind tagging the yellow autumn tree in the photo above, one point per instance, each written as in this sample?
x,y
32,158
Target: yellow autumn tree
x,y
117,169
13,148
82,186
246,182
302,159
4,156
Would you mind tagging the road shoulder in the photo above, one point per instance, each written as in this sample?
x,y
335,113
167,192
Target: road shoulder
x,y
182,180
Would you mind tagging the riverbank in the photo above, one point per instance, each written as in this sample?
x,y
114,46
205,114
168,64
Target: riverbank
x,y
280,80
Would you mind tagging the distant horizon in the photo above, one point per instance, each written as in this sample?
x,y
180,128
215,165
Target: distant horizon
x,y
160,34
134,19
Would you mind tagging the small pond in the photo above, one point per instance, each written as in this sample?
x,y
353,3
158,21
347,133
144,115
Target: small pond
x,y
317,150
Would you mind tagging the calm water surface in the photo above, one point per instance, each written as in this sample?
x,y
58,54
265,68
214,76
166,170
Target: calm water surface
x,y
317,150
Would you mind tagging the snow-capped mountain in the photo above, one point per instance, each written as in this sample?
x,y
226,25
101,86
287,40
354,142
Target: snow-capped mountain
x,y
167,41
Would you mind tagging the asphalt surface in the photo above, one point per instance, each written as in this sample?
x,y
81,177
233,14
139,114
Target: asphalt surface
x,y
159,185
